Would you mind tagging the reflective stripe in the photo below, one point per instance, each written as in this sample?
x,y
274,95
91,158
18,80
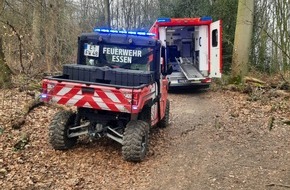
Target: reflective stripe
x,y
102,99
87,105
55,98
75,99
113,97
101,103
64,91
121,108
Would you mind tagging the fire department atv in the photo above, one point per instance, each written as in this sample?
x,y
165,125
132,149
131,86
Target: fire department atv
x,y
119,87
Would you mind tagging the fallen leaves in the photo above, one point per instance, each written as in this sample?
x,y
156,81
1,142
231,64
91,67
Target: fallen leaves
x,y
3,172
22,142
1,130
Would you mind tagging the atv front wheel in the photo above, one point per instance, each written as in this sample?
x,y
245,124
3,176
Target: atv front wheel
x,y
165,121
135,141
58,130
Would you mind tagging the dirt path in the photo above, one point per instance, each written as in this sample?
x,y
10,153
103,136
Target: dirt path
x,y
213,150
216,140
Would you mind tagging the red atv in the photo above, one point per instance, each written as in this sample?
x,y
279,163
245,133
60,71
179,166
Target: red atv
x,y
119,87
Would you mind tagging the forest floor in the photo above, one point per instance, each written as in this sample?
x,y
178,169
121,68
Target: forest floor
x,y
216,140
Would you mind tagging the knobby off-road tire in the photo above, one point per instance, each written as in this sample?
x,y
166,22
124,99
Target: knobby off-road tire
x,y
135,141
164,122
58,130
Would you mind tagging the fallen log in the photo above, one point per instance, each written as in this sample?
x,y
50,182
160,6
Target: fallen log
x,y
31,105
254,80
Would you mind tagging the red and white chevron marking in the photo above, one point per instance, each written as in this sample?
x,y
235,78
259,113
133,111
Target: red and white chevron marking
x,y
101,99
126,100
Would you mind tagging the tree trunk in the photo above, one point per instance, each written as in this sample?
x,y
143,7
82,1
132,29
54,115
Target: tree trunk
x,y
51,35
5,72
107,13
36,27
243,35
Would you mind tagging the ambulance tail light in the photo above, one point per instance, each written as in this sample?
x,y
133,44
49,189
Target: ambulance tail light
x,y
207,80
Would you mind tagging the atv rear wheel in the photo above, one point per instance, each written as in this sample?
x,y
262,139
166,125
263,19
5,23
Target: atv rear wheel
x,y
135,141
165,121
58,130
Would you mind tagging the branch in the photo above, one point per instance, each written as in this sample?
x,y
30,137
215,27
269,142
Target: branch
x,y
278,185
276,43
14,10
20,42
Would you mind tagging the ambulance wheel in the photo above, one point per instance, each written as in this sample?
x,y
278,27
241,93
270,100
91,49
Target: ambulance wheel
x,y
135,141
165,121
58,130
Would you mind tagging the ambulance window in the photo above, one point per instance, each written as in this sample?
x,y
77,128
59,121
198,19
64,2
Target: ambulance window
x,y
214,40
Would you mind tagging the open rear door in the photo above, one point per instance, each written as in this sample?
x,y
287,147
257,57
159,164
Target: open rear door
x,y
216,49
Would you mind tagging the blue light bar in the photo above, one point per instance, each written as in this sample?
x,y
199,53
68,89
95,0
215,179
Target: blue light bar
x,y
133,33
141,33
163,19
102,30
206,18
114,31
105,30
150,34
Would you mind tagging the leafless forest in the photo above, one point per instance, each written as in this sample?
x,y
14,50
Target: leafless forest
x,y
39,36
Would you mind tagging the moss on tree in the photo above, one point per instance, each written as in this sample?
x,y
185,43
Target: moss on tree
x,y
5,75
5,71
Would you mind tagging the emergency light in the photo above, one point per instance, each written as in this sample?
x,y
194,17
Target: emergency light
x,y
103,30
163,19
206,18
43,96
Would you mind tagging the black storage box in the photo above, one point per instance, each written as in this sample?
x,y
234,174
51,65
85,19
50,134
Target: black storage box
x,y
126,77
84,72
117,76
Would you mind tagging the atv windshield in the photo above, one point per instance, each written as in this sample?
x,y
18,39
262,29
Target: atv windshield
x,y
117,56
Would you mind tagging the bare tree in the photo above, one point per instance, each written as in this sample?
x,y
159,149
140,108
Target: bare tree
x,y
243,36
5,72
107,13
271,43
